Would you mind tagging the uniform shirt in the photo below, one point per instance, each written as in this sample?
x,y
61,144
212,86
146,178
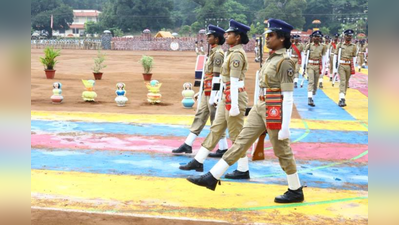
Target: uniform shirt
x,y
215,60
363,48
235,64
348,50
300,47
284,78
331,47
316,51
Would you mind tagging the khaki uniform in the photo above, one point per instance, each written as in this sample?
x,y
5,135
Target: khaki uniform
x,y
362,52
313,69
344,70
235,65
332,50
213,65
256,121
295,57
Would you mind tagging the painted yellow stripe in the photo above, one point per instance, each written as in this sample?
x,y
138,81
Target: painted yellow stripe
x,y
178,197
357,103
180,120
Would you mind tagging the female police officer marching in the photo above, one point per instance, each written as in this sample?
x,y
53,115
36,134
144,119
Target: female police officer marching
x,y
271,113
231,110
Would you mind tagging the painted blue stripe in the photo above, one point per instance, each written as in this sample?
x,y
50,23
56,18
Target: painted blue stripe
x,y
347,176
325,136
326,108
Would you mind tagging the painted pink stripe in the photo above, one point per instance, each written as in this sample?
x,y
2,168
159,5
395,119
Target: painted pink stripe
x,y
360,82
305,151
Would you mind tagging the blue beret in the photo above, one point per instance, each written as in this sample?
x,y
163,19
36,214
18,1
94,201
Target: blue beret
x,y
215,30
239,27
297,36
276,24
336,35
349,32
317,33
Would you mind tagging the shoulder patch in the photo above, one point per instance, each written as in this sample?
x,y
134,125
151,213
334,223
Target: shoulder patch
x,y
218,62
290,72
236,63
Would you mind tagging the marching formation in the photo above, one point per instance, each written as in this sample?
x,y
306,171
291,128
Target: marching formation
x,y
224,98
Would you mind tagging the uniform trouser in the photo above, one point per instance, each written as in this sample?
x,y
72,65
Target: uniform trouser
x,y
253,128
331,63
361,59
314,75
344,72
223,120
296,67
203,113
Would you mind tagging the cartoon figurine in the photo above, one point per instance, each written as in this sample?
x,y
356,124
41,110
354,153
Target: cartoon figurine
x,y
154,96
188,94
57,97
120,94
89,95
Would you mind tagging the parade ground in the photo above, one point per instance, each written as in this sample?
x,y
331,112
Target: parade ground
x,y
97,163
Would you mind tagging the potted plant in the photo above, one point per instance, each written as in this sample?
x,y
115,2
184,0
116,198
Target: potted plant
x,y
49,61
147,62
98,65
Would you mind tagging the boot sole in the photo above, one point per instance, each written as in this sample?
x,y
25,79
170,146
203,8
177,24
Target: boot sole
x,y
210,188
197,170
237,178
296,201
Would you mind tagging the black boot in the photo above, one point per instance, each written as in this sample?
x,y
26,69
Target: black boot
x,y
331,79
310,102
206,180
237,175
320,85
218,154
341,102
193,165
290,196
296,85
184,148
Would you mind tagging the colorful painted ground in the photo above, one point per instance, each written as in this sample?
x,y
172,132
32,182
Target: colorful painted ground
x,y
121,164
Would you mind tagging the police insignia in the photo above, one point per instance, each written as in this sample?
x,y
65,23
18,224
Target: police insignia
x,y
290,72
236,63
218,62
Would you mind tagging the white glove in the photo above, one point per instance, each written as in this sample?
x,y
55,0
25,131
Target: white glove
x,y
215,80
288,102
234,111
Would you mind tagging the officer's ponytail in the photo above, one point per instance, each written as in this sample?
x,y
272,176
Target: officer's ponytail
x,y
244,37
287,38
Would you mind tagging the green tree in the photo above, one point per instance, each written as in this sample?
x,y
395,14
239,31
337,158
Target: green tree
x,y
196,27
42,11
290,11
92,27
85,4
185,30
137,15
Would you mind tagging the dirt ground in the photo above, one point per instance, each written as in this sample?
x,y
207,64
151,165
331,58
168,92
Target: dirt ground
x,y
49,217
172,69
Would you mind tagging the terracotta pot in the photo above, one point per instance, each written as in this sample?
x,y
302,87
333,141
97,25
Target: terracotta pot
x,y
98,76
50,74
147,76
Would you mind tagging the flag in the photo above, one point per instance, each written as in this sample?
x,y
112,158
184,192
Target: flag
x,y
51,23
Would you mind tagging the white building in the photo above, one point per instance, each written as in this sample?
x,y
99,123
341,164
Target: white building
x,y
80,17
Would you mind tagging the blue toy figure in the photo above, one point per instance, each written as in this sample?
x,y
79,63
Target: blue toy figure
x,y
188,94
120,92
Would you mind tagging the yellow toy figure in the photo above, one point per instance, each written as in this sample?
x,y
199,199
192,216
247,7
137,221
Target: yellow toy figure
x,y
89,95
154,96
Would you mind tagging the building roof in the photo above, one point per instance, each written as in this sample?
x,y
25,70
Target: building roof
x,y
164,34
78,26
84,13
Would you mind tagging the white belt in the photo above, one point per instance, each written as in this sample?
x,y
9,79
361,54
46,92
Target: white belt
x,y
294,56
343,61
314,61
